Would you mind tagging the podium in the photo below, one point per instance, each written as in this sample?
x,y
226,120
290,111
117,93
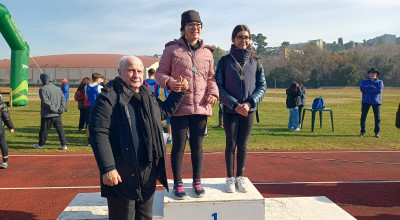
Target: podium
x,y
216,204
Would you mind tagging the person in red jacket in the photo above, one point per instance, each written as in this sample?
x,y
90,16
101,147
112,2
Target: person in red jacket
x,y
189,59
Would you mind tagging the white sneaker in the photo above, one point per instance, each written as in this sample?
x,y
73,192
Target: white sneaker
x,y
297,129
63,147
230,184
241,184
37,146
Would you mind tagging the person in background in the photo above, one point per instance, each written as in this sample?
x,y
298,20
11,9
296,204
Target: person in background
x,y
292,103
371,90
302,100
5,120
168,121
242,86
127,141
52,106
188,58
151,83
83,109
398,117
65,88
220,116
92,90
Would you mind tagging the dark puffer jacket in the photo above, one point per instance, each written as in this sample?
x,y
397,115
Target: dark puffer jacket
x,y
5,117
232,90
53,102
112,141
293,97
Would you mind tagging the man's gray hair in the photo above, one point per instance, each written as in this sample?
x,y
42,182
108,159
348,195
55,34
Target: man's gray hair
x,y
123,60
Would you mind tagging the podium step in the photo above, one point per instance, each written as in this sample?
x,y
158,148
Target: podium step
x,y
319,207
216,203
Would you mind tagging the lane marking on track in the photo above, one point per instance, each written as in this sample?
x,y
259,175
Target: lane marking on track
x,y
327,159
332,182
50,155
55,187
255,183
217,152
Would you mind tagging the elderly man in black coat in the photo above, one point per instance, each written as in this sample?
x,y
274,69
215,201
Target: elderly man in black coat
x,y
127,141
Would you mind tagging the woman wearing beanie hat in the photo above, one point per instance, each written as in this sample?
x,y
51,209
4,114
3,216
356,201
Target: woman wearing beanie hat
x,y
189,59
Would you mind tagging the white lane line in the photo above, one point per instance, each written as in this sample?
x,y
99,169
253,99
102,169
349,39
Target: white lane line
x,y
55,187
332,182
318,152
255,183
50,155
216,152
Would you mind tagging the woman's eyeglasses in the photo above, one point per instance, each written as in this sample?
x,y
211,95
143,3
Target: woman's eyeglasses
x,y
243,38
197,25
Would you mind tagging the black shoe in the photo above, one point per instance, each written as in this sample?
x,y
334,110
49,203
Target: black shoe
x,y
377,135
198,189
361,134
179,191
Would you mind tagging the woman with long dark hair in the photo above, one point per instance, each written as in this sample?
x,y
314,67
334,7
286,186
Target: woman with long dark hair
x,y
241,83
84,110
292,103
189,61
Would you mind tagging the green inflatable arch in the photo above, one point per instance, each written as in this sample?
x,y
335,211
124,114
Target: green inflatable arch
x,y
19,58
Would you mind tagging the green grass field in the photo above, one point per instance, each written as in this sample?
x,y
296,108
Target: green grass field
x,y
270,134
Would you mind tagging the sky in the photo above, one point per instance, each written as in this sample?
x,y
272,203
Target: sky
x,y
143,27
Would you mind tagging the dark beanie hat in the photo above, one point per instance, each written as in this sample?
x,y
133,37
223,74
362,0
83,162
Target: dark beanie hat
x,y
189,16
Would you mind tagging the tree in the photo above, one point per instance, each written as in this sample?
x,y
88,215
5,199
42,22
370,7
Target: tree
x,y
218,53
314,79
340,42
260,44
349,45
285,44
347,75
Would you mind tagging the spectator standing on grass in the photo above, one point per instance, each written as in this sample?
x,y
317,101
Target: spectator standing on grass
x,y
188,58
5,120
398,117
371,90
292,103
302,100
151,83
92,90
242,86
52,106
127,141
65,88
83,109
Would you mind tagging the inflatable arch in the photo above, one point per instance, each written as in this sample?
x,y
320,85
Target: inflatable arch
x,y
19,75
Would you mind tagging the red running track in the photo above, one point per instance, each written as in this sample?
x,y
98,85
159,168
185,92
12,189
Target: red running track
x,y
366,184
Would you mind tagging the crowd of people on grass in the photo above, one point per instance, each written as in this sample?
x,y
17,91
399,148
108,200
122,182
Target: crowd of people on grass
x,y
123,117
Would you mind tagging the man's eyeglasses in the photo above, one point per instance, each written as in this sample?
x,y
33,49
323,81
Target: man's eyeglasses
x,y
197,25
242,38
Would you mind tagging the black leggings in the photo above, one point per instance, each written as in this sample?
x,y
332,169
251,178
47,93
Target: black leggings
x,y
237,131
179,126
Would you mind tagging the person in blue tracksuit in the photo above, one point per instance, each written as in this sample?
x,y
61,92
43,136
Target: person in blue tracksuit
x,y
371,89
